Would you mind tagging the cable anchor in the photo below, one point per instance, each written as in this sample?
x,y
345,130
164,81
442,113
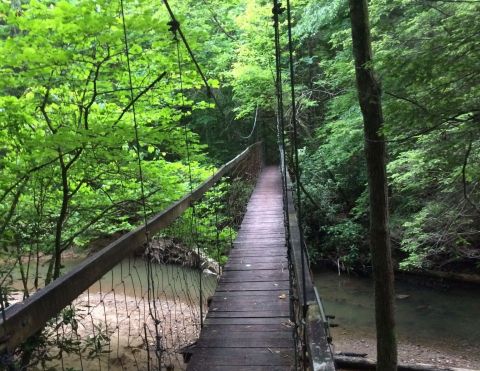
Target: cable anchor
x,y
173,27
277,10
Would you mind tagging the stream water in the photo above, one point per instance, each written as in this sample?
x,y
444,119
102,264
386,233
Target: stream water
x,y
122,303
439,320
434,325
172,281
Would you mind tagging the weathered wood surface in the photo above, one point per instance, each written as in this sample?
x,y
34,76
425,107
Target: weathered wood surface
x,y
247,326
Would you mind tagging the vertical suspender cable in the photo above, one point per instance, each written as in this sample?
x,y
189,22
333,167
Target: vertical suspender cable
x,y
174,28
297,169
137,140
277,10
153,313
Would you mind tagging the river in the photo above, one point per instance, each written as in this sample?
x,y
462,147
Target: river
x,y
174,281
132,305
439,326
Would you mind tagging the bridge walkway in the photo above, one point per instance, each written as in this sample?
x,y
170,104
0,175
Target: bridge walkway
x,y
247,326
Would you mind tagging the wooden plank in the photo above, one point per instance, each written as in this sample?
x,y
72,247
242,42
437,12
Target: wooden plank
x,y
273,298
264,275
252,314
203,358
235,253
247,321
257,244
242,368
256,259
210,329
271,339
253,234
256,266
248,306
267,240
245,300
251,294
276,224
253,286
256,248
261,245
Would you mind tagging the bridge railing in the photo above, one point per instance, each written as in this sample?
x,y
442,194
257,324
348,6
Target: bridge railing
x,y
111,295
312,332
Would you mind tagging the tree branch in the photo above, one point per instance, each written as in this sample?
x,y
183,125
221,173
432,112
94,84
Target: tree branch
x,y
27,174
132,102
13,206
310,198
464,178
44,112
97,218
217,22
427,130
415,103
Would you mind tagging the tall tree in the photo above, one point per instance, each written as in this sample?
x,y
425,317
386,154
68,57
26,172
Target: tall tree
x,y
369,95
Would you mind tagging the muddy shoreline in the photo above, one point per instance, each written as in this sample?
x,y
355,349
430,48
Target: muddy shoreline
x,y
409,352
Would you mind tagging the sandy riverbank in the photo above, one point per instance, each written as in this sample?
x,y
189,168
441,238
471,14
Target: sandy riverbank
x,y
117,332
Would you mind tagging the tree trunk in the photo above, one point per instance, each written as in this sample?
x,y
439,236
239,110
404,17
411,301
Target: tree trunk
x,y
369,95
56,262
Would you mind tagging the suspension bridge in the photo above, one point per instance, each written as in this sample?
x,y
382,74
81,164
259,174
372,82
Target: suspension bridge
x,y
263,313
218,280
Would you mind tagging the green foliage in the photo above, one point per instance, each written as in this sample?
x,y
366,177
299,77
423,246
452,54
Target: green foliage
x,y
211,224
428,62
69,172
69,155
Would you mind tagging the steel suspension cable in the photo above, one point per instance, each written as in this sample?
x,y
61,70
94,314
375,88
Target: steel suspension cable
x,y
253,127
175,25
295,152
150,280
277,11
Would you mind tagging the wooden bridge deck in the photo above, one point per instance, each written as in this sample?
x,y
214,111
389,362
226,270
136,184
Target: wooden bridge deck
x,y
247,326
